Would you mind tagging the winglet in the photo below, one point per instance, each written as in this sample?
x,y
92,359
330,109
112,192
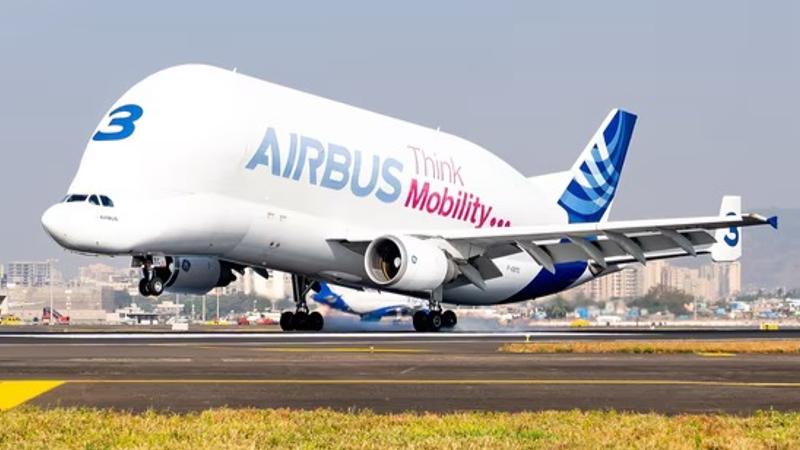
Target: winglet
x,y
773,222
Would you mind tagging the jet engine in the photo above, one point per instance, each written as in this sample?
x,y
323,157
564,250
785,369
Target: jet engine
x,y
199,274
407,263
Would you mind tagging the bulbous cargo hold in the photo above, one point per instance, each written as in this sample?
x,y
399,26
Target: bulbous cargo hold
x,y
232,171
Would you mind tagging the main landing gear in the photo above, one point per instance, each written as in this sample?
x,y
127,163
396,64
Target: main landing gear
x,y
301,319
434,319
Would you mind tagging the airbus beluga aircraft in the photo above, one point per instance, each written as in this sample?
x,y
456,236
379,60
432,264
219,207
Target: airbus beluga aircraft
x,y
197,172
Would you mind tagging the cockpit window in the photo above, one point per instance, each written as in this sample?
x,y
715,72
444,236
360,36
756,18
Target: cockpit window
x,y
99,200
106,201
76,198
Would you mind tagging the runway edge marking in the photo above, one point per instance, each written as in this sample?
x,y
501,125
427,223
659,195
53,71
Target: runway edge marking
x,y
17,392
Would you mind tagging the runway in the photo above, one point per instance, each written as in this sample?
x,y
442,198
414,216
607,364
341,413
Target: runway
x,y
383,372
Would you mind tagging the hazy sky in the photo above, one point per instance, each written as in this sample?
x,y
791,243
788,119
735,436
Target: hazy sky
x,y
715,83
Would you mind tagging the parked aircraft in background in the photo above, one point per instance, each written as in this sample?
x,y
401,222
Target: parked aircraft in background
x,y
371,305
198,172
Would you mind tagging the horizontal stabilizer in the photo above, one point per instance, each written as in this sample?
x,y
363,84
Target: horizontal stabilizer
x,y
728,246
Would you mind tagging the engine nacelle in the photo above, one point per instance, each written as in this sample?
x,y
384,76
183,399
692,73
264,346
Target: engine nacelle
x,y
198,274
407,263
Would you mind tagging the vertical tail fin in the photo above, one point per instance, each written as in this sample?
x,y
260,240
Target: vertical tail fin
x,y
729,240
596,173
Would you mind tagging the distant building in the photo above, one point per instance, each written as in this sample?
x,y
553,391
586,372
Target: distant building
x,y
277,287
82,303
623,284
31,274
102,275
709,282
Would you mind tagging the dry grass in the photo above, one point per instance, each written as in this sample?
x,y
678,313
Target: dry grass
x,y
665,346
28,428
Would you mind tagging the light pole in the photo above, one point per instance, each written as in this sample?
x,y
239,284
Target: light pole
x,y
50,283
203,308
218,306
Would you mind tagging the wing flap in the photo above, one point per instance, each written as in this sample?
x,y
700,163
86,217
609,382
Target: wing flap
x,y
652,246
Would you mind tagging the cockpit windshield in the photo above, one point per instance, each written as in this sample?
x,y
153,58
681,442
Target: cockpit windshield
x,y
106,201
75,198
99,200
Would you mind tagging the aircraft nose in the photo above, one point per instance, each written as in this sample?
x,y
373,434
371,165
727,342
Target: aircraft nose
x,y
54,222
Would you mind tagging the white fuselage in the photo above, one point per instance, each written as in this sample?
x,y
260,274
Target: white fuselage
x,y
229,166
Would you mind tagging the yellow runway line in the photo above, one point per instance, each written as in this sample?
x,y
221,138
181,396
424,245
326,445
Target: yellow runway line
x,y
522,382
13,393
715,354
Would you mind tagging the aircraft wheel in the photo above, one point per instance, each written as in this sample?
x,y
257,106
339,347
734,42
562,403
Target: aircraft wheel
x,y
155,286
300,321
315,321
420,320
434,321
449,319
143,289
287,321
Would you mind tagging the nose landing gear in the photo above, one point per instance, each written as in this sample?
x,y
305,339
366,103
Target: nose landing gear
x,y
153,278
154,286
301,319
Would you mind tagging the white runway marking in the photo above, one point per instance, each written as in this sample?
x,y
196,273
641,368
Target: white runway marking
x,y
131,360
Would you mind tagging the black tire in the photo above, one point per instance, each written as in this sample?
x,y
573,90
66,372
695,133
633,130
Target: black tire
x,y
143,289
287,321
449,319
155,286
420,320
434,321
300,321
315,321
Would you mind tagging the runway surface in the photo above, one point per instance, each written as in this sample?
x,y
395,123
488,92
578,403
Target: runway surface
x,y
384,372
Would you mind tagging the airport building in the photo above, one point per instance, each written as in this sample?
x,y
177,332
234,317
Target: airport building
x,y
80,303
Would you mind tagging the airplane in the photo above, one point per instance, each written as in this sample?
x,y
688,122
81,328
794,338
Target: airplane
x,y
372,305
197,172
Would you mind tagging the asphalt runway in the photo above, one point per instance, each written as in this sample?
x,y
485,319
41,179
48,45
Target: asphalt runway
x,y
384,372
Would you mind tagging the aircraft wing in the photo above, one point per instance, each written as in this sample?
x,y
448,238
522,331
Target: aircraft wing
x,y
605,243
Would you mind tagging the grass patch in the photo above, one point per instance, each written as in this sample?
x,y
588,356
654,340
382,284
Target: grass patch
x,y
29,428
765,346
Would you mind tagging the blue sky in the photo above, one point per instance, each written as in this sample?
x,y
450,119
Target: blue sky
x,y
714,84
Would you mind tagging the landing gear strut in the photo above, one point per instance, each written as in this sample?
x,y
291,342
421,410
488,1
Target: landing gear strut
x,y
301,319
434,319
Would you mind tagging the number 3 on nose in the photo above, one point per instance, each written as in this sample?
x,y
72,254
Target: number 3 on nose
x,y
122,117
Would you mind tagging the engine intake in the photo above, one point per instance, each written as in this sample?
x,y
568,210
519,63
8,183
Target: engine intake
x,y
407,263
